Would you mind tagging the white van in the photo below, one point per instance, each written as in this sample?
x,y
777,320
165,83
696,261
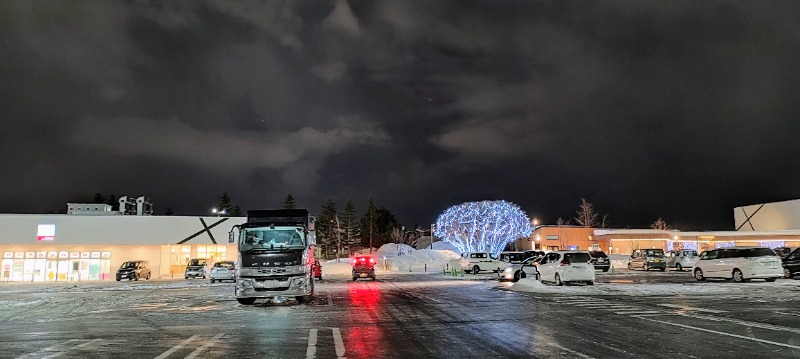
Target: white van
x,y
562,267
475,262
741,264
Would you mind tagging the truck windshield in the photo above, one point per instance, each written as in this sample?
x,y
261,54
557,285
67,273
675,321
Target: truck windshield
x,y
272,238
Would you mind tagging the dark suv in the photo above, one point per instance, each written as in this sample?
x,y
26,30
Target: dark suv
x,y
133,270
600,260
648,259
791,264
363,267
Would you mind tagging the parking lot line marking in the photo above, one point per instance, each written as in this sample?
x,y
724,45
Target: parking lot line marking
x,y
568,350
338,342
205,345
678,306
626,312
50,348
55,355
744,323
177,347
792,314
727,334
311,352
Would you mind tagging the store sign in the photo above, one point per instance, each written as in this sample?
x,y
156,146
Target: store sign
x,y
63,254
8,255
74,255
19,255
41,254
52,255
30,254
95,254
46,232
106,255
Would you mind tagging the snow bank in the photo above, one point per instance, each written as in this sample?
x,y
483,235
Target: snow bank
x,y
391,249
656,289
442,245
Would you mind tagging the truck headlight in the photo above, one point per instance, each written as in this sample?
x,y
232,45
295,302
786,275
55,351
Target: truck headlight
x,y
509,270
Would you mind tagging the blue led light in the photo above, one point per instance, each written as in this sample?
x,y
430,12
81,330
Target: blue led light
x,y
773,244
485,226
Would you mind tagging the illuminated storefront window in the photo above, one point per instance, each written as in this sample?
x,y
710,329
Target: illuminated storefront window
x,y
55,266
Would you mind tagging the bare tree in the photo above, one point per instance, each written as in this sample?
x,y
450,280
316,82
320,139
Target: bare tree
x,y
661,224
396,235
561,222
586,216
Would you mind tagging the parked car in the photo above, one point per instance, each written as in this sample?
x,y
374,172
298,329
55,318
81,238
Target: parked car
x,y
515,271
600,260
741,264
566,266
533,254
783,251
647,259
475,262
223,270
507,258
791,264
363,267
681,259
134,270
196,268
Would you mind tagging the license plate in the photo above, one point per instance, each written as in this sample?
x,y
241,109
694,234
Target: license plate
x,y
363,274
657,260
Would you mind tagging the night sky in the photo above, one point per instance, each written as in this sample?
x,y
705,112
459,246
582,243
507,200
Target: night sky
x,y
674,109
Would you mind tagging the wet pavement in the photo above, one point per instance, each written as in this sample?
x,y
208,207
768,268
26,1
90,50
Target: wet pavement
x,y
400,316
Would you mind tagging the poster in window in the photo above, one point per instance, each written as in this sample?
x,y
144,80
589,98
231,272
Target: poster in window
x,y
63,254
95,254
74,254
84,254
105,255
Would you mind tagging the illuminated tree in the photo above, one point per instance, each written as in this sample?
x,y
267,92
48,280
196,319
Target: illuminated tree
x,y
485,226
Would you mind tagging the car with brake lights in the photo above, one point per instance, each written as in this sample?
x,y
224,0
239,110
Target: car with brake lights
x,y
223,270
363,267
647,259
562,267
740,264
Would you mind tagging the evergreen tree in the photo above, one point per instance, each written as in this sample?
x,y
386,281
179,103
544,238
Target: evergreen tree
x,y
169,212
225,204
368,226
326,227
289,202
99,198
349,225
386,224
235,211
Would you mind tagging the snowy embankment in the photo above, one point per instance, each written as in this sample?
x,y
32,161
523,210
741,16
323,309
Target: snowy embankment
x,y
400,258
708,288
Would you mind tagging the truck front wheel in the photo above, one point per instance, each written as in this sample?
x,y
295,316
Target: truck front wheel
x,y
246,301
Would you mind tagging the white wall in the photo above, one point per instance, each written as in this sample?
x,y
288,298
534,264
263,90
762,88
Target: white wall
x,y
775,216
119,230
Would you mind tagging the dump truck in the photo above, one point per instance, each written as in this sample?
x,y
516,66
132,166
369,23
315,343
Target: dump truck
x,y
276,256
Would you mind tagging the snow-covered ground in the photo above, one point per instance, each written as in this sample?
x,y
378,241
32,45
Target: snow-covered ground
x,y
400,258
708,288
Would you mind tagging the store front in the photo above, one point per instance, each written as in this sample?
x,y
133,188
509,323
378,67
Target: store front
x,y
55,266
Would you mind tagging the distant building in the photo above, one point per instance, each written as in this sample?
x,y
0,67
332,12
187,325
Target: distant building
x,y
90,209
128,206
774,216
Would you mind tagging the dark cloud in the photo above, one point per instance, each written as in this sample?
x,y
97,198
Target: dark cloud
x,y
648,109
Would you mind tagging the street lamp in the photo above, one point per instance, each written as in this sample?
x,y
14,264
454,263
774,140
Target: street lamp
x,y
219,212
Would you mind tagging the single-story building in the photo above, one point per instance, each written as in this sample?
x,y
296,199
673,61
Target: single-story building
x,y
81,248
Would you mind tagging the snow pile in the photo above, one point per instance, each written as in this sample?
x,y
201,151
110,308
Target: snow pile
x,y
391,249
420,260
619,261
331,267
444,246
654,289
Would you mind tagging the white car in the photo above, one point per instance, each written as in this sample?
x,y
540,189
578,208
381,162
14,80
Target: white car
x,y
508,258
475,262
562,267
515,271
224,270
741,264
681,259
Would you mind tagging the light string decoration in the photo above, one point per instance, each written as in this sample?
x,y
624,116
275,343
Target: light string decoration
x,y
485,226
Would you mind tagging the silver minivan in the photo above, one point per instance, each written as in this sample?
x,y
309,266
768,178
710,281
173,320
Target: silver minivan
x,y
681,259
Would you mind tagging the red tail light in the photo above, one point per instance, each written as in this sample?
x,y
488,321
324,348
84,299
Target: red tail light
x,y
563,263
371,260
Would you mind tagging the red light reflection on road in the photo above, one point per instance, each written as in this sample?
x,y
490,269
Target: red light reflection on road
x,y
363,337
